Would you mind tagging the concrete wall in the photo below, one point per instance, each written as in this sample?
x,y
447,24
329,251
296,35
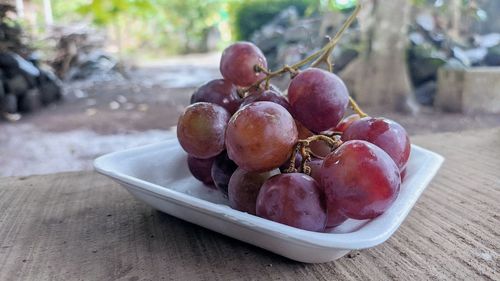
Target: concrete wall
x,y
473,90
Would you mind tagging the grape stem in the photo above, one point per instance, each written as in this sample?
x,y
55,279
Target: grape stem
x,y
355,107
303,147
322,55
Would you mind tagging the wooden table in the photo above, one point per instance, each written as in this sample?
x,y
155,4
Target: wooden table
x,y
82,226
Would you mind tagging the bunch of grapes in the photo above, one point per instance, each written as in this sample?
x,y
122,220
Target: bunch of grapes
x,y
293,159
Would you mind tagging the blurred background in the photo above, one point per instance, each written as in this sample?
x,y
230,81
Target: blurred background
x,y
82,78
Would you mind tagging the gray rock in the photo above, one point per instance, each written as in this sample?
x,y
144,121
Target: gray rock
x,y
460,55
13,65
7,60
476,55
50,89
426,92
344,57
30,101
268,44
493,56
287,17
417,38
425,69
426,21
437,38
17,85
487,40
299,33
26,66
2,89
8,104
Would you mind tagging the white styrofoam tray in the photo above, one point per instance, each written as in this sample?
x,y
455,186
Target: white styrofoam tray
x,y
158,175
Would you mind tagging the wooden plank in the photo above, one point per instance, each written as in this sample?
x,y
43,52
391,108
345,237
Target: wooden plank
x,y
81,226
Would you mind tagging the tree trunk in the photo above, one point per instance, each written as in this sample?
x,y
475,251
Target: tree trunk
x,y
47,10
379,76
455,12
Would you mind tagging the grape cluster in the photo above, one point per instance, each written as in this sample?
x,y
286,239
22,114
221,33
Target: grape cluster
x,y
295,159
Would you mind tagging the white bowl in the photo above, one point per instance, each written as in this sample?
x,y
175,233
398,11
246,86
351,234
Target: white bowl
x,y
158,175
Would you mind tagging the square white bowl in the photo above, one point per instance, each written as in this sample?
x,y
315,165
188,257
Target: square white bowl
x,y
158,175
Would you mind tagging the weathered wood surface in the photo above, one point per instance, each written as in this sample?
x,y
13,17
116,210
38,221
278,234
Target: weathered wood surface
x,y
81,226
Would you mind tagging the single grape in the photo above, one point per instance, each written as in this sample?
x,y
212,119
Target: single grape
x,y
360,179
201,129
318,99
346,122
320,148
238,62
315,165
222,169
334,217
220,92
200,169
244,187
268,95
293,199
304,132
260,136
384,133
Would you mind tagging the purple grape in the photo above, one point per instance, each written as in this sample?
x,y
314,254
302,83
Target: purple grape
x,y
222,169
220,92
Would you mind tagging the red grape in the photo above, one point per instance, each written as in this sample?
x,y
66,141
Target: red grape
x,y
346,122
200,169
293,199
320,148
222,169
318,99
315,165
360,179
260,136
335,217
268,95
384,133
244,187
304,132
238,62
201,129
218,91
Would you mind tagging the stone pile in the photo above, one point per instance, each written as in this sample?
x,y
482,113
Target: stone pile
x,y
431,49
24,85
288,38
79,54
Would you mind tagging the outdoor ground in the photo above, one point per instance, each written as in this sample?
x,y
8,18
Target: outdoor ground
x,y
100,117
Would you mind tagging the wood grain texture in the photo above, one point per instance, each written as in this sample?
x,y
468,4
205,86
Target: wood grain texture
x,y
82,226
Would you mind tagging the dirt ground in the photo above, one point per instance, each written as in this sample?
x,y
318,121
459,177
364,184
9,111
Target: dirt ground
x,y
99,117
